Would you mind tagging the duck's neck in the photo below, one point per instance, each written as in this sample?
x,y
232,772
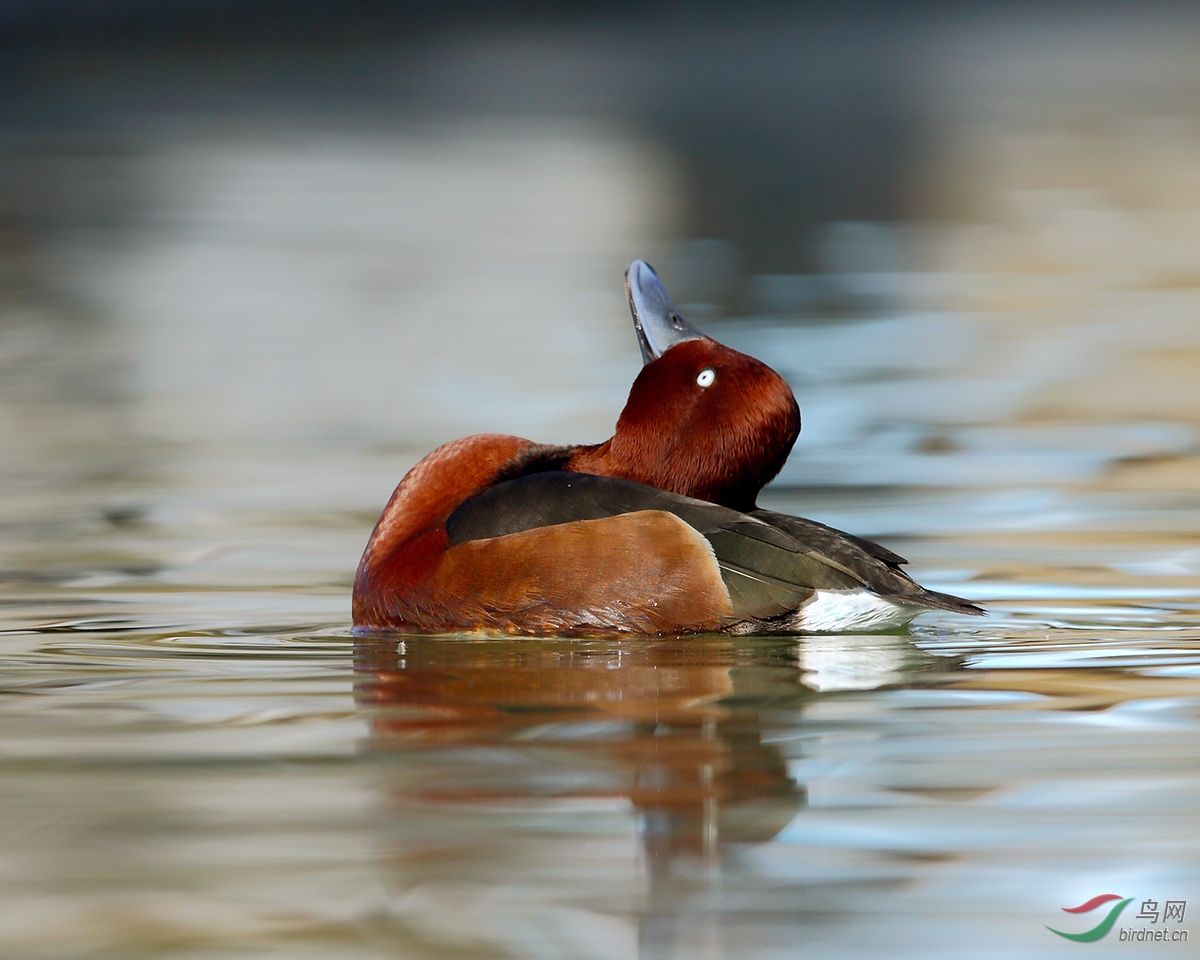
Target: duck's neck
x,y
679,471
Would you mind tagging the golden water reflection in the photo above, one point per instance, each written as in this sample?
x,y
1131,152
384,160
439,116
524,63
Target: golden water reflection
x,y
674,728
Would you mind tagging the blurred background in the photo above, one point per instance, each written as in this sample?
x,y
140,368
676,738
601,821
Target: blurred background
x,y
969,235
257,257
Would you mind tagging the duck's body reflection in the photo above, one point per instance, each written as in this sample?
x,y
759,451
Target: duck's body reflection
x,y
673,727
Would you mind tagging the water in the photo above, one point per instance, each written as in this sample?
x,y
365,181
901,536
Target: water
x,y
204,411
200,760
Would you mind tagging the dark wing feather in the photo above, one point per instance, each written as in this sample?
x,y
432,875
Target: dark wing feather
x,y
770,562
831,541
560,496
876,565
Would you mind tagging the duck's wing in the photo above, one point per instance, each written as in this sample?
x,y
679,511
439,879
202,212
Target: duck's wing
x,y
810,531
769,567
761,571
873,565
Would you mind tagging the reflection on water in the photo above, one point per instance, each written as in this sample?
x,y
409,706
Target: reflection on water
x,y
205,401
654,723
289,793
665,736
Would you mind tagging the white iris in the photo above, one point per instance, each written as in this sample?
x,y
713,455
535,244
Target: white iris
x,y
706,377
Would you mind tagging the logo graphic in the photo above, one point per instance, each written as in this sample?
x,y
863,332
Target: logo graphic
x,y
1100,929
1172,910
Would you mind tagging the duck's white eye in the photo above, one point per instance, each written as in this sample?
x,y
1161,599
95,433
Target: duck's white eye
x,y
706,377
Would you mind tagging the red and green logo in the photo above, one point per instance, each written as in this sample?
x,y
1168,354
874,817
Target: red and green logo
x,y
1100,929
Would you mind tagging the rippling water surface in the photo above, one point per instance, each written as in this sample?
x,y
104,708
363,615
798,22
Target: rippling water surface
x,y
200,760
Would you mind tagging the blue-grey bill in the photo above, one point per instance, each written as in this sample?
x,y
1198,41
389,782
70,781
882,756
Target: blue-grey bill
x,y
658,322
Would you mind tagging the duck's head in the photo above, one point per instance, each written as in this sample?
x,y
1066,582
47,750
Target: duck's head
x,y
702,419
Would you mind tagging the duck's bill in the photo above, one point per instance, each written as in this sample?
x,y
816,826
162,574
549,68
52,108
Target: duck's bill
x,y
658,322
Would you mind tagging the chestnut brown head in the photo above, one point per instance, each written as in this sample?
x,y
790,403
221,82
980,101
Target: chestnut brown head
x,y
702,419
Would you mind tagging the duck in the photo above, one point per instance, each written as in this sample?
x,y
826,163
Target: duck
x,y
653,532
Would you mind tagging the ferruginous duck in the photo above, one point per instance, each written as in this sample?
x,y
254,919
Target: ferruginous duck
x,y
655,531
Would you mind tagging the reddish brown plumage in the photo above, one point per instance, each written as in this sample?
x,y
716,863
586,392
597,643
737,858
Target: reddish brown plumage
x,y
396,554
645,572
440,482
722,443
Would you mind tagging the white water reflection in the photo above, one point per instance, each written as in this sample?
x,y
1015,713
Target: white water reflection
x,y
852,662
